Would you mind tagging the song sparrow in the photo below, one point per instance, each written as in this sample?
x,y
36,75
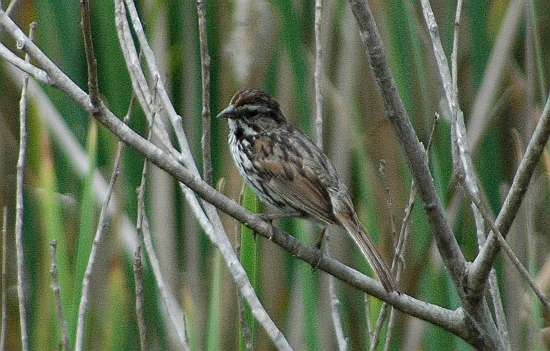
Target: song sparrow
x,y
290,173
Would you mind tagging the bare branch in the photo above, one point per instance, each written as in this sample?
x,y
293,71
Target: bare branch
x,y
317,75
24,66
21,164
149,56
205,74
341,339
398,260
245,329
140,299
13,4
65,342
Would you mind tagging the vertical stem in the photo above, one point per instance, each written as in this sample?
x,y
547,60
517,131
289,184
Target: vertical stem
x,y
140,300
205,74
317,75
4,275
65,343
91,61
21,163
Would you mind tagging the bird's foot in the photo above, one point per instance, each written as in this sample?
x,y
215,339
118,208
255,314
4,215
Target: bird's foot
x,y
319,246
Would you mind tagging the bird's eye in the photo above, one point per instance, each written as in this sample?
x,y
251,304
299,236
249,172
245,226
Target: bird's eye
x,y
252,111
249,113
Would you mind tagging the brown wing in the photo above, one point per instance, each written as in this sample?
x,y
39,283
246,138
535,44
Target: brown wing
x,y
290,166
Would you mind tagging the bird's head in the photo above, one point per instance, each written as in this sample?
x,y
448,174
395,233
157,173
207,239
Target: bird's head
x,y
254,108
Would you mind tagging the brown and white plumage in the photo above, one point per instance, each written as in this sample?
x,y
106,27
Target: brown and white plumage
x,y
291,173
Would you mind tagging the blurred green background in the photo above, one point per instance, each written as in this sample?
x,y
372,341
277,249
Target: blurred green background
x,y
270,45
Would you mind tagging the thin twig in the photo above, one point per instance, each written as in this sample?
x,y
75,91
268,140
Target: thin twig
x,y
140,298
65,342
389,198
91,61
11,7
174,311
205,74
341,339
24,66
4,278
21,164
454,54
93,90
245,329
509,251
98,238
317,75
498,308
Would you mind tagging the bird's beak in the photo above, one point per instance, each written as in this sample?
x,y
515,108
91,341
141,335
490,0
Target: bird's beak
x,y
229,112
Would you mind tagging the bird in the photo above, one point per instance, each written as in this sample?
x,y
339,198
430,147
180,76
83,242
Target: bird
x,y
291,174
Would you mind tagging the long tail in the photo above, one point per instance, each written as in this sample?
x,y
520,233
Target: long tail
x,y
361,238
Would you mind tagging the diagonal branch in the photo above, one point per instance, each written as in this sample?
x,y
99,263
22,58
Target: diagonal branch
x,y
481,266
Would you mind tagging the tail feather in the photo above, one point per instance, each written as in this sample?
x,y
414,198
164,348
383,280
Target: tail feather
x,y
367,247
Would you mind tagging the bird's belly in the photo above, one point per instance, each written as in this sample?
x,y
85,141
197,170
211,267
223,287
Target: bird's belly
x,y
252,177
